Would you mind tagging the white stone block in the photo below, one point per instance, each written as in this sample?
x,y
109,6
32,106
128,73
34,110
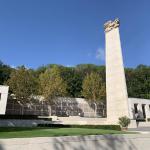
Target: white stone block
x,y
3,98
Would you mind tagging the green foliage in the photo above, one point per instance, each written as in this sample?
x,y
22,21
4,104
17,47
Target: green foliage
x,y
73,80
124,121
52,84
138,82
93,87
19,117
148,119
106,127
22,84
5,72
138,79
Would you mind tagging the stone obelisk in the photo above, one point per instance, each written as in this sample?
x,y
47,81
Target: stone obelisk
x,y
117,97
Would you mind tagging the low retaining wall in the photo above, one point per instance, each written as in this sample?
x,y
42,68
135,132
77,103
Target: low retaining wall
x,y
101,142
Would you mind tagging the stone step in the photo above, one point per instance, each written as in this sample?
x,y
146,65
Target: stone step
x,y
144,124
82,120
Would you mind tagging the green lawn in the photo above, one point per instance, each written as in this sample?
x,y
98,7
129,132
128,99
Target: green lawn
x,y
49,132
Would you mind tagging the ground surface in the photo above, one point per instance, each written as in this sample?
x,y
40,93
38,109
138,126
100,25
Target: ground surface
x,y
90,142
49,132
140,129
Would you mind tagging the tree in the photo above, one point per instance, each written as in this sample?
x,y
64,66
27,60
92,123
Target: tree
x,y
138,82
43,68
22,84
85,69
73,80
94,88
52,84
5,72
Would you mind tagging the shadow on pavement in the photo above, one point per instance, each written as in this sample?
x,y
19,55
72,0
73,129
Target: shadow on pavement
x,y
1,147
105,142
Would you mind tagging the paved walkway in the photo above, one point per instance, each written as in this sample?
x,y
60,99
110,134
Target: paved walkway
x,y
143,130
99,142
140,129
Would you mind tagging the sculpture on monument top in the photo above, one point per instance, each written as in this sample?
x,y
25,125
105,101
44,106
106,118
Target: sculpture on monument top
x,y
109,25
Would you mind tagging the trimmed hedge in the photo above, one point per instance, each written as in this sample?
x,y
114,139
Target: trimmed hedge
x,y
23,117
106,127
110,127
140,120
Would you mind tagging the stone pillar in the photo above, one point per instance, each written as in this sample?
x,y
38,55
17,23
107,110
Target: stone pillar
x,y
147,111
3,98
140,111
131,109
117,97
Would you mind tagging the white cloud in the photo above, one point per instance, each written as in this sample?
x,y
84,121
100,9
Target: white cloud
x,y
69,65
100,54
13,66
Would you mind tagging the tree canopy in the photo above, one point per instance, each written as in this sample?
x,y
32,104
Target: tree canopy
x,y
70,81
93,88
138,81
5,72
22,84
52,84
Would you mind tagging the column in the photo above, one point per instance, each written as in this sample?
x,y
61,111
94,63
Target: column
x,y
116,90
140,111
147,111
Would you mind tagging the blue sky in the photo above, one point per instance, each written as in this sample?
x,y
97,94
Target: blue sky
x,y
70,32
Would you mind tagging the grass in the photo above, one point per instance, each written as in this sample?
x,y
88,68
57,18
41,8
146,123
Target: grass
x,y
10,132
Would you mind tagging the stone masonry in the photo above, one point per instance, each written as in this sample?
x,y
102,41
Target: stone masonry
x,y
117,97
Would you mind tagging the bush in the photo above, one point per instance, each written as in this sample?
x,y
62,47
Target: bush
x,y
124,121
106,127
148,119
47,119
30,117
140,120
23,117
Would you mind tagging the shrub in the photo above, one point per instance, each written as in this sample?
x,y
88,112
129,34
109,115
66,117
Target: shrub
x,y
148,119
106,127
124,121
23,117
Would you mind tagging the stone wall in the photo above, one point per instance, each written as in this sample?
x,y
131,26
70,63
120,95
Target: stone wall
x,y
145,103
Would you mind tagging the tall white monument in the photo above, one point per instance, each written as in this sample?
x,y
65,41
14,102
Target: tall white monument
x,y
117,97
